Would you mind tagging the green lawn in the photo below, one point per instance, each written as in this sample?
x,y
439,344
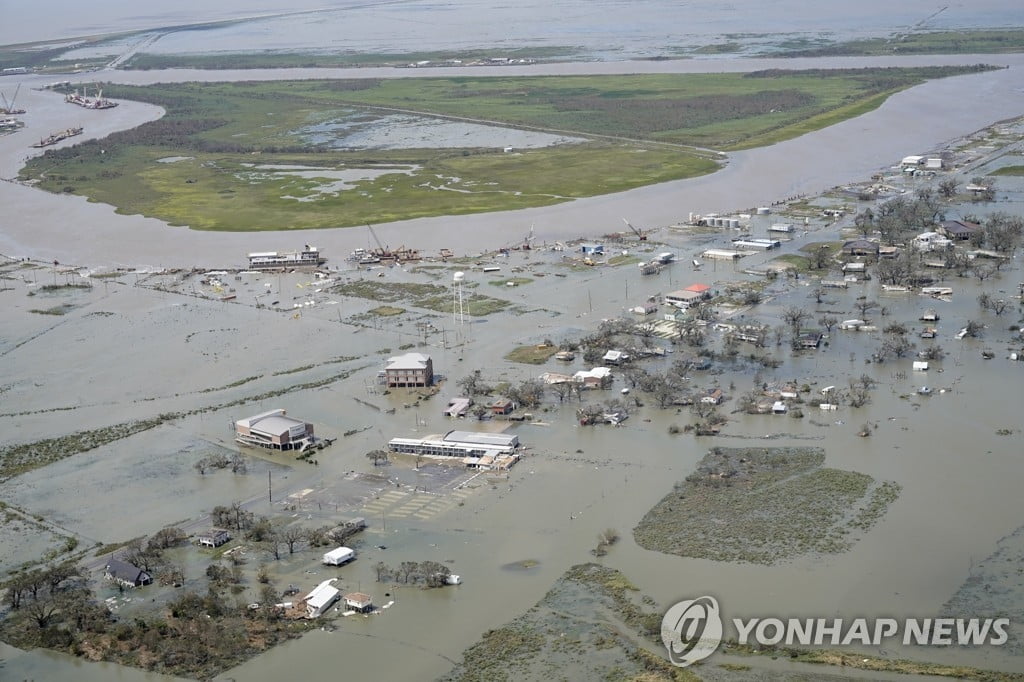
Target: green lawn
x,y
636,131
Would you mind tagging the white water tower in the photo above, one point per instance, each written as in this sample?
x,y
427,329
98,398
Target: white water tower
x,y
458,312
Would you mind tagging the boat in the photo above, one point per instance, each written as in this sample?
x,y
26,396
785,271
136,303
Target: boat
x,y
924,390
57,137
309,256
83,100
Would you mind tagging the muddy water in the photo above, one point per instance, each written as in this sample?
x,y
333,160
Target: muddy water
x,y
959,478
606,29
907,123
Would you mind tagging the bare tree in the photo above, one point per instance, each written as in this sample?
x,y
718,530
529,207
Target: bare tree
x,y
948,188
529,393
140,555
795,317
828,321
865,222
473,384
864,305
291,536
167,537
983,271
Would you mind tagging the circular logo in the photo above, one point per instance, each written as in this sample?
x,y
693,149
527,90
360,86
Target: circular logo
x,y
691,630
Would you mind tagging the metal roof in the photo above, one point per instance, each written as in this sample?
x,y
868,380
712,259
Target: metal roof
x,y
408,361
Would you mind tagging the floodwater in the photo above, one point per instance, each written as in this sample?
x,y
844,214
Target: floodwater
x,y
909,122
603,29
960,480
406,131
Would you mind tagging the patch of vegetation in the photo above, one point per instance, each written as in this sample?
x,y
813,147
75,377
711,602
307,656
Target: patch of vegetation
x,y
289,60
233,384
63,287
386,311
514,281
199,636
62,309
1008,170
293,370
430,296
931,42
797,262
532,355
589,618
221,125
17,459
628,259
763,505
860,661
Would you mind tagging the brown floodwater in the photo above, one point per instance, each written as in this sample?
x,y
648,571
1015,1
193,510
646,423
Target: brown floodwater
x,y
960,480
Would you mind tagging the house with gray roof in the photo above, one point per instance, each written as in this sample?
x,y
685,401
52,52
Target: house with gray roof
x,y
124,573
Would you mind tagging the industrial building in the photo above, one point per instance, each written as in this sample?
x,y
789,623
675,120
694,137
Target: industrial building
x,y
274,430
282,260
471,446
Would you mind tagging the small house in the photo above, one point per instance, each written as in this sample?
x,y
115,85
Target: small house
x,y
810,339
930,241
457,407
855,266
616,357
592,249
215,537
648,307
928,333
358,602
502,406
779,407
321,598
959,230
712,396
860,247
593,378
552,378
930,315
920,366
125,574
339,556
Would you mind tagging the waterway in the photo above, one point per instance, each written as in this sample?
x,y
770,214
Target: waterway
x,y
960,480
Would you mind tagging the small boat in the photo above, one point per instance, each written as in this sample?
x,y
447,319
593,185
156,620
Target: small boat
x,y
924,390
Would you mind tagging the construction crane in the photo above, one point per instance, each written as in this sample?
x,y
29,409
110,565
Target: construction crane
x,y
640,234
8,108
381,251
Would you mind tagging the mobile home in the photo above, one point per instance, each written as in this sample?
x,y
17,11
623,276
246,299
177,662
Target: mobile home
x,y
339,556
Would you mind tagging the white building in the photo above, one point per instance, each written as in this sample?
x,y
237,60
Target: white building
x,y
321,598
274,430
930,241
457,444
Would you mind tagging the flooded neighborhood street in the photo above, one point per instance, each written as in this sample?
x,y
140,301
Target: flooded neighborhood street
x,y
121,320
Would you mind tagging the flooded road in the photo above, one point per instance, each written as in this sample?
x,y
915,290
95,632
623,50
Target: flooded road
x,y
960,479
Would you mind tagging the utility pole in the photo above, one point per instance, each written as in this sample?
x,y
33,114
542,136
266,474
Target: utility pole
x,y
270,492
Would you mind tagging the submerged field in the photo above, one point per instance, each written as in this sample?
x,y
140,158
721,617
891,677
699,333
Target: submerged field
x,y
764,505
299,155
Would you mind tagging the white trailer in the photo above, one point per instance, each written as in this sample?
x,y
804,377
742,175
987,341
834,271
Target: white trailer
x,y
339,556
